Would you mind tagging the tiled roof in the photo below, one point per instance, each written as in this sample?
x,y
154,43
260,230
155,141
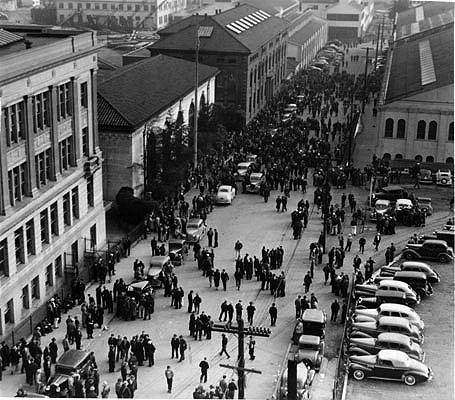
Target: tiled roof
x,y
7,38
422,18
137,92
406,73
303,34
244,42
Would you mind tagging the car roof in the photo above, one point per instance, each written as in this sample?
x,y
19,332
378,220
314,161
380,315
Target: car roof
x,y
435,241
229,187
393,355
395,307
394,337
194,221
72,358
310,339
404,201
408,274
394,321
245,164
313,315
415,263
138,285
423,199
391,188
396,284
380,201
176,241
256,175
157,259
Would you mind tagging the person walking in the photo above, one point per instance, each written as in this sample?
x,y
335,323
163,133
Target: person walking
x,y
169,378
224,342
362,242
250,312
376,241
182,347
210,237
251,346
307,281
197,303
204,366
175,343
298,306
273,311
348,243
335,307
237,248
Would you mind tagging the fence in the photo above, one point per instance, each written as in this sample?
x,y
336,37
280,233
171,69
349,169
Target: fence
x,y
342,367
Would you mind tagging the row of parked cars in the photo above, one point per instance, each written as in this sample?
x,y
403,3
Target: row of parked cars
x,y
331,53
386,334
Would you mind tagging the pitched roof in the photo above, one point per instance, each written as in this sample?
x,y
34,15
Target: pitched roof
x,y
182,35
135,93
422,18
273,7
421,65
303,34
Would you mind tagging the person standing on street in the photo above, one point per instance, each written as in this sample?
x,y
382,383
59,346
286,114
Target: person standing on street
x,y
251,346
210,237
215,238
362,242
348,243
273,311
376,241
169,377
307,281
335,307
175,343
237,248
224,278
298,306
250,312
182,348
204,366
238,310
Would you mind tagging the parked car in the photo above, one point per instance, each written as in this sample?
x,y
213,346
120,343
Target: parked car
x,y
389,365
388,289
444,178
426,176
424,203
243,168
429,250
432,275
403,204
311,351
177,251
387,324
71,362
381,207
137,289
195,230
225,194
160,266
305,376
312,322
251,157
415,279
386,341
391,193
388,310
290,108
256,180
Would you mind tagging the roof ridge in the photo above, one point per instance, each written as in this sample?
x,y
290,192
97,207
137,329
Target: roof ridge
x,y
115,109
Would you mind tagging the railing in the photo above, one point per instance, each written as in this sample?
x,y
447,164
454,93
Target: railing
x,y
341,375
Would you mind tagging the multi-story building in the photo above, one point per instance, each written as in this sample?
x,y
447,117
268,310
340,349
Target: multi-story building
x,y
166,9
50,166
246,44
416,108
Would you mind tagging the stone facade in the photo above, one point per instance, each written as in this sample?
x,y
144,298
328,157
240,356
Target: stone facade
x,y
50,199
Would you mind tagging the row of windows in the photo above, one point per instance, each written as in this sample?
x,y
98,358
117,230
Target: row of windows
x,y
268,63
48,227
104,6
258,95
418,158
14,116
422,132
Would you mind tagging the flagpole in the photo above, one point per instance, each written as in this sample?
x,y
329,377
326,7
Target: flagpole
x,y
196,79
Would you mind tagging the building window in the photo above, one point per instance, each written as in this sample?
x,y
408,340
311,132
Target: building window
x,y
84,92
398,156
66,209
40,111
93,236
64,99
13,120
9,312
90,192
35,288
137,7
388,132
421,128
146,7
249,105
88,6
19,246
75,202
61,5
432,130
120,7
17,183
49,276
449,160
97,6
450,136
129,7
30,237
401,129
4,270
25,299
85,147
58,267
44,225
54,219
429,159
113,7
43,167
70,6
65,150
418,158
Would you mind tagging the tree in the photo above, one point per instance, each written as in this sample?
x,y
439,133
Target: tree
x,y
132,209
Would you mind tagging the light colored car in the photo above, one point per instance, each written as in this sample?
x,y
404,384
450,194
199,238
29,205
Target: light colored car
x,y
311,351
403,204
251,157
242,168
195,230
381,207
290,108
389,365
388,310
444,178
416,266
225,194
256,179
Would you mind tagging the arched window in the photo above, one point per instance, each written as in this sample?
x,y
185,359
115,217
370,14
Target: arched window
x,y
386,156
450,138
429,159
432,129
388,132
401,129
421,128
191,115
202,101
449,160
399,156
418,158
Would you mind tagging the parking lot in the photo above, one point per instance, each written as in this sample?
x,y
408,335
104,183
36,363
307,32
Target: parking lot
x,y
437,313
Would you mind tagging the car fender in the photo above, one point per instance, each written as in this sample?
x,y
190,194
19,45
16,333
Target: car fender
x,y
359,334
355,350
364,368
410,251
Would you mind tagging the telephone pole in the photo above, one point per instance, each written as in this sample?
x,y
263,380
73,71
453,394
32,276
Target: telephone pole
x,y
241,331
196,85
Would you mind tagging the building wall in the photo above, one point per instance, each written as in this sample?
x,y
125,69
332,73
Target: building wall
x,y
413,111
60,201
166,9
123,151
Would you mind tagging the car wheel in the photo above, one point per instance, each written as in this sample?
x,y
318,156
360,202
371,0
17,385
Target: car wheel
x,y
358,375
410,380
443,258
408,256
444,181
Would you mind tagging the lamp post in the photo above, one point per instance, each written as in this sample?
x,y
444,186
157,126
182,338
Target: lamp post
x,y
196,85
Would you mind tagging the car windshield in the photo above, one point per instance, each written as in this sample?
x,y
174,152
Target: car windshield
x,y
242,167
192,226
425,202
308,346
224,190
255,178
381,207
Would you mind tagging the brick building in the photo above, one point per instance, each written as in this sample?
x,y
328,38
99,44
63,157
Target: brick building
x,y
50,165
246,44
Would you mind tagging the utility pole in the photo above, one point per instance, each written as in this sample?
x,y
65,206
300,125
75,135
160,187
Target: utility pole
x,y
241,331
382,32
365,81
377,47
196,83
